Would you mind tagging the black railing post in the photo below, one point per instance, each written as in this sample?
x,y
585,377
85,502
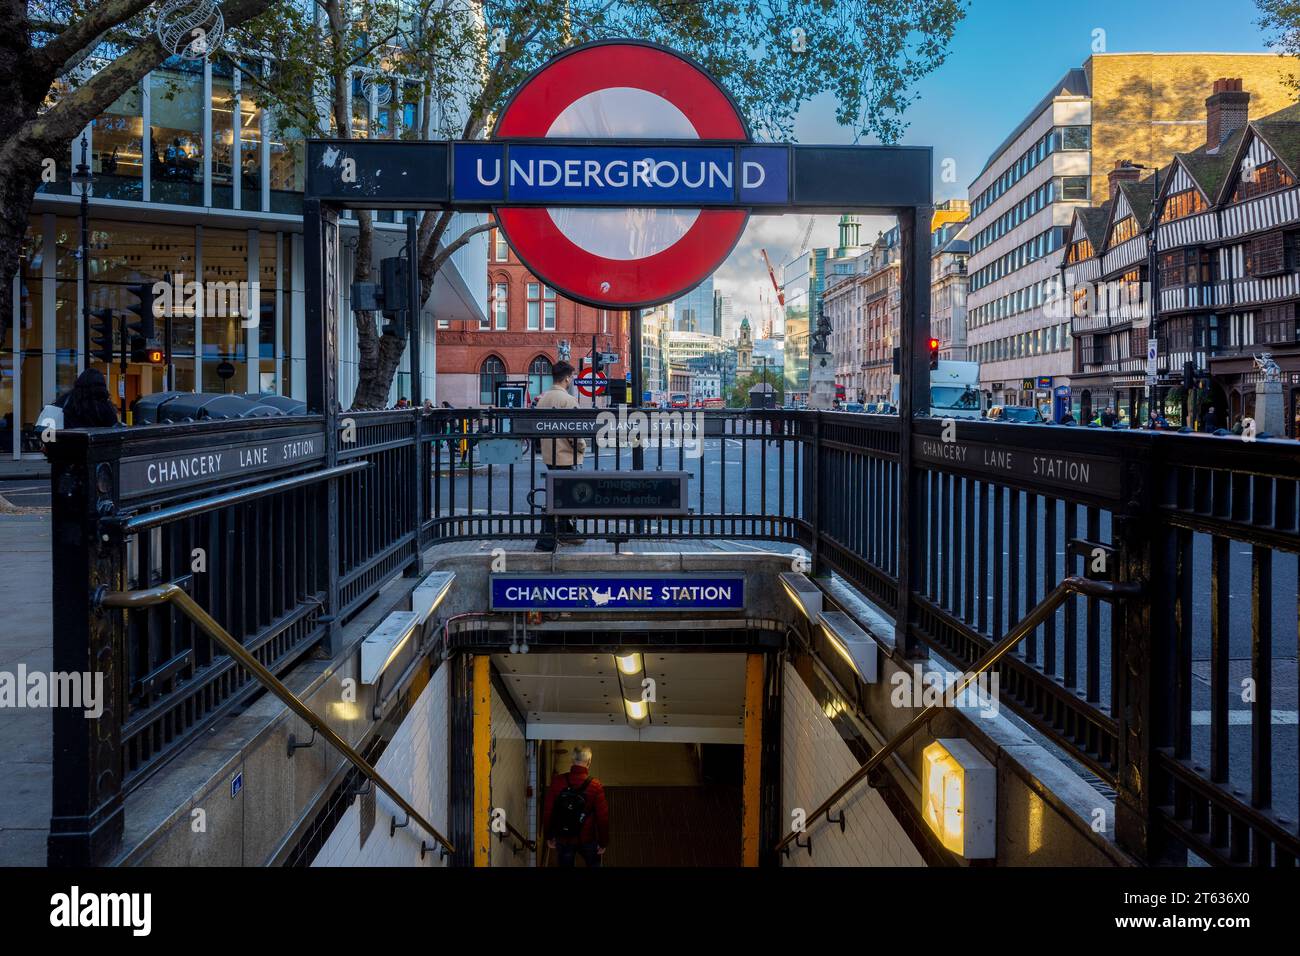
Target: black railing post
x,y
913,400
416,316
1144,669
321,257
86,813
812,494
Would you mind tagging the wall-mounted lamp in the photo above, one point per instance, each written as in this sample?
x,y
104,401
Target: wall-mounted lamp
x,y
959,798
806,595
385,642
429,593
852,643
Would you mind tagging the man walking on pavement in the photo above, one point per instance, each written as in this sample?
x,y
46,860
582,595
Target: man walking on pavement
x,y
562,454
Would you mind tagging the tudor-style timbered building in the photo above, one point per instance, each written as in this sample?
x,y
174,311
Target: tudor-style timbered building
x,y
1226,221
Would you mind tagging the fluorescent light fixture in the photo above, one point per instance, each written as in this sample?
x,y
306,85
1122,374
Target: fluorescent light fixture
x,y
428,594
801,590
384,643
959,798
637,711
852,643
629,664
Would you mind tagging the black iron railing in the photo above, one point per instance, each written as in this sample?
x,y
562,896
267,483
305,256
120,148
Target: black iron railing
x,y
1169,699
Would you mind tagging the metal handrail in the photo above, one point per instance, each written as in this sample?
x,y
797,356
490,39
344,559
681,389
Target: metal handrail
x,y
175,595
1105,590
513,831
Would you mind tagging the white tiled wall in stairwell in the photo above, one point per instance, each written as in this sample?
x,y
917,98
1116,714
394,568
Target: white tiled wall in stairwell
x,y
814,762
416,763
509,782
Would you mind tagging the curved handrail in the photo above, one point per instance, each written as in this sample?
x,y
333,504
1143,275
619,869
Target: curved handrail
x,y
173,594
1105,590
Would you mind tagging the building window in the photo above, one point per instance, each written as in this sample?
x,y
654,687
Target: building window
x,y
500,251
539,376
500,308
1182,204
1075,137
1073,187
1265,178
534,307
1123,230
548,308
490,374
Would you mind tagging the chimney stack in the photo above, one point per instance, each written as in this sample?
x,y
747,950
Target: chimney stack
x,y
1226,111
1124,172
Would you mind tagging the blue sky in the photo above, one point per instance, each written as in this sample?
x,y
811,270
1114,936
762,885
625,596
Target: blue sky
x,y
1005,56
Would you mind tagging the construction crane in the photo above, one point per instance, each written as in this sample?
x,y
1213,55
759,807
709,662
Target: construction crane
x,y
803,244
780,293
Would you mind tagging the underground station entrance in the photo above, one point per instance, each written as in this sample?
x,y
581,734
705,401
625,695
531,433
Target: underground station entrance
x,y
787,637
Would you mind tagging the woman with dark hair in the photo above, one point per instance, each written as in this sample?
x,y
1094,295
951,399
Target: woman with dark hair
x,y
88,405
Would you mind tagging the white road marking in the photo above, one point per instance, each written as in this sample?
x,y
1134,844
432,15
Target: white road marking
x,y
1241,718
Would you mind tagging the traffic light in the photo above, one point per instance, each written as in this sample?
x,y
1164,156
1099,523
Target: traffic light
x,y
147,353
143,308
934,353
596,364
1189,376
395,279
101,335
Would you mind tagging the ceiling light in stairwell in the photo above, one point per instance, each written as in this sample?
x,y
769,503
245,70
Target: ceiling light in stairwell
x,y
638,711
629,664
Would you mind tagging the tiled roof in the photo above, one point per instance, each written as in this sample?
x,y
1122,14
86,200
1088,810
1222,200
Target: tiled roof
x,y
1094,219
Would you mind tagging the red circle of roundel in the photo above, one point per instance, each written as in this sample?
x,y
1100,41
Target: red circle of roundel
x,y
546,250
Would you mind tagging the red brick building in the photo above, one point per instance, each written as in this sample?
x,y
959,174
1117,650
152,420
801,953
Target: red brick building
x,y
521,338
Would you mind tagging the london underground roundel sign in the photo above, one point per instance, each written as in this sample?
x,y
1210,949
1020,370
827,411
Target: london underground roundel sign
x,y
620,254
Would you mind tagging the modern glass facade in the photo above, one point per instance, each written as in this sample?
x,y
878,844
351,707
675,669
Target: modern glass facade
x,y
196,186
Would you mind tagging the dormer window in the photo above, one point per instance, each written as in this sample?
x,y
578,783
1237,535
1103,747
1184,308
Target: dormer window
x,y
1123,230
1267,177
1182,204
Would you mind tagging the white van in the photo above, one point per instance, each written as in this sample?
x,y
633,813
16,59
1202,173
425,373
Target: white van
x,y
955,390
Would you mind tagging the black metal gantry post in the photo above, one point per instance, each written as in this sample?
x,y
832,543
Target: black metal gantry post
x,y
913,399
321,256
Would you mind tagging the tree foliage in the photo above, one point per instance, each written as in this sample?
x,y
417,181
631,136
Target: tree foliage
x,y
62,63
461,60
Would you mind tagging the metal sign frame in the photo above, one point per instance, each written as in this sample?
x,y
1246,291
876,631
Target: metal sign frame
x,y
557,477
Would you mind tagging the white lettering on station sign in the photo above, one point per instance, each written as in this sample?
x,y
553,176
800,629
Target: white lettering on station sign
x,y
168,470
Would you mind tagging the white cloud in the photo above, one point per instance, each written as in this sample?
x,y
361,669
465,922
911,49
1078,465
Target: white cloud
x,y
744,276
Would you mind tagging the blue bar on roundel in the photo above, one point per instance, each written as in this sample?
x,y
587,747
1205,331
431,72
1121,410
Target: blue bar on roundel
x,y
477,172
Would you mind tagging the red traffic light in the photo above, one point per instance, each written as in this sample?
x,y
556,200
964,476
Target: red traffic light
x,y
934,345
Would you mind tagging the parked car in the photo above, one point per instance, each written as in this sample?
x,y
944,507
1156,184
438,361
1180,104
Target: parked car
x,y
1015,414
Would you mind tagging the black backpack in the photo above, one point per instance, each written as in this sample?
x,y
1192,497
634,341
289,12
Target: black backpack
x,y
570,811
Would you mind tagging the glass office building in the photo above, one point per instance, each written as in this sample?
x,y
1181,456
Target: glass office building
x,y
194,183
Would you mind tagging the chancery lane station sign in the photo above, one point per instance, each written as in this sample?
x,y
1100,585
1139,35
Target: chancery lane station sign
x,y
171,470
1068,471
703,591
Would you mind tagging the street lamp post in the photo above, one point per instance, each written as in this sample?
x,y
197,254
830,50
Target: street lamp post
x,y
1153,276
84,178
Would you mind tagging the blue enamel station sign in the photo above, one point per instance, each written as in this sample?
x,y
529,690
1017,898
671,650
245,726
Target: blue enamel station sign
x,y
713,591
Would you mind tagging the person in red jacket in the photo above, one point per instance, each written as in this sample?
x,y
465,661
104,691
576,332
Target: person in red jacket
x,y
575,816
